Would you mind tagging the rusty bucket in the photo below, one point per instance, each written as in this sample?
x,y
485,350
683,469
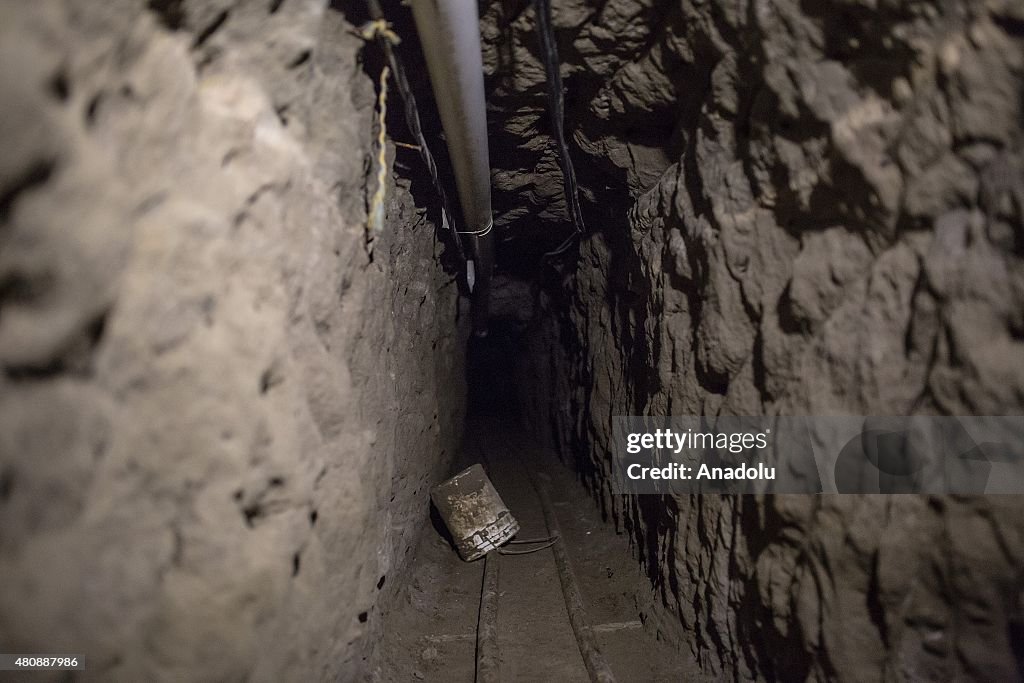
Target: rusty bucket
x,y
474,513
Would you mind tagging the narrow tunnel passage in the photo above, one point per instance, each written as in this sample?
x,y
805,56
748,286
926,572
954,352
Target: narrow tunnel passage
x,y
431,634
236,351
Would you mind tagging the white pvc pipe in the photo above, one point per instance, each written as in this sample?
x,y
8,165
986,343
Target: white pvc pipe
x,y
450,33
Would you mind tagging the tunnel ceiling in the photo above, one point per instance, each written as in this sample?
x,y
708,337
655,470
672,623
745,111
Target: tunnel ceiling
x,y
620,115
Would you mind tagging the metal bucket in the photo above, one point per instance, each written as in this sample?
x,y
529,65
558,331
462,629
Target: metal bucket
x,y
474,513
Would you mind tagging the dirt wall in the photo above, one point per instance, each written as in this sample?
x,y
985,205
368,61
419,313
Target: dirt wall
x,y
218,418
798,208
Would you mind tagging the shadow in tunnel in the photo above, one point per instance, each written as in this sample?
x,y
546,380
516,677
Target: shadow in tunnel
x,y
491,371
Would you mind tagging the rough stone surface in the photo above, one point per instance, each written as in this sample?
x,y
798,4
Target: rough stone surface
x,y
218,417
796,208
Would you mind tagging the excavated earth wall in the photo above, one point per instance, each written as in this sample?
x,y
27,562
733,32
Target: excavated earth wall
x,y
218,417
795,208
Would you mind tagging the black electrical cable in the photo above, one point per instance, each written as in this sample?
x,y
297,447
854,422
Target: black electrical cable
x,y
547,544
556,102
530,541
562,247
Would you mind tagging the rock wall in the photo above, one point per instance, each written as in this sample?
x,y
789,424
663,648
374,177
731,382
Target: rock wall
x,y
795,208
218,416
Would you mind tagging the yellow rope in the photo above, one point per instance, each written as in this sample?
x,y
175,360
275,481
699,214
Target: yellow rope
x,y
375,219
379,27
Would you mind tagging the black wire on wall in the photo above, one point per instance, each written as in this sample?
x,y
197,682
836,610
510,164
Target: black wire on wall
x,y
556,103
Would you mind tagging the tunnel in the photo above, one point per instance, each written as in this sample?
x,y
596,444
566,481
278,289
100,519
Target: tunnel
x,y
243,347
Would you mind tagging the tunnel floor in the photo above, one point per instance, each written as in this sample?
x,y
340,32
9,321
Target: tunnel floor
x,y
430,633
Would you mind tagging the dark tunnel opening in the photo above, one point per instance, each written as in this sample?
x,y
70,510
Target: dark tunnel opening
x,y
491,372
